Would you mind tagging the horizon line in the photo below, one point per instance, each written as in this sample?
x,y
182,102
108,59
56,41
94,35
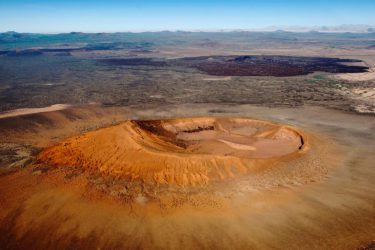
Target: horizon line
x,y
367,28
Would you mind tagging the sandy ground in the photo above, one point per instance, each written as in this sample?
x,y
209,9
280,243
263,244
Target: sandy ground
x,y
363,97
225,78
66,208
367,98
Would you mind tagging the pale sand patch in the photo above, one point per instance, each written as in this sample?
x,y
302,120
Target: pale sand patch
x,y
365,109
158,96
365,92
225,78
366,99
28,111
363,97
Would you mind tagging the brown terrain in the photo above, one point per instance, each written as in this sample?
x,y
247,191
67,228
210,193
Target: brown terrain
x,y
253,184
187,140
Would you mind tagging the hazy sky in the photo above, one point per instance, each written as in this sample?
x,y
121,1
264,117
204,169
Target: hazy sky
x,y
116,15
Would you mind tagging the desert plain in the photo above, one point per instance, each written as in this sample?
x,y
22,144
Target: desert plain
x,y
183,140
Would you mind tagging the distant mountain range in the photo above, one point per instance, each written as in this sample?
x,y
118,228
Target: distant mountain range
x,y
359,36
353,28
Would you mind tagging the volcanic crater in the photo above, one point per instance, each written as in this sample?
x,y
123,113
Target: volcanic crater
x,y
181,152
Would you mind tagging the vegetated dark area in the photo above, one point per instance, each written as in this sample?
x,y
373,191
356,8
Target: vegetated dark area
x,y
90,47
271,65
250,65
